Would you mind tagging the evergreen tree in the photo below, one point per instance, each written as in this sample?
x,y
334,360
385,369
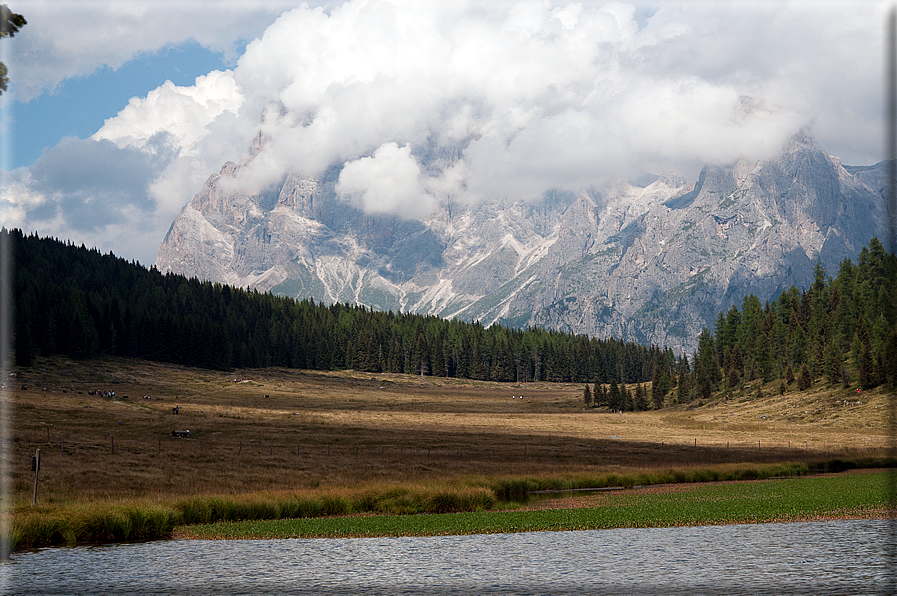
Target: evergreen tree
x,y
805,380
866,369
891,359
626,395
587,396
641,398
682,392
23,344
614,397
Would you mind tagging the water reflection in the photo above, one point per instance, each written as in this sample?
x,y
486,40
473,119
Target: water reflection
x,y
800,558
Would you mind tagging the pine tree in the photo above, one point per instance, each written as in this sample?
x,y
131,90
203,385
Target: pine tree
x,y
891,359
833,363
614,398
641,398
587,396
789,374
866,369
628,402
684,385
805,380
23,345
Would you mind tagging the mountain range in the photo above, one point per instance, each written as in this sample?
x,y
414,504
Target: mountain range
x,y
651,261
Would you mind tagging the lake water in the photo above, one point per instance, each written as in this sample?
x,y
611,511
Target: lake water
x,y
841,557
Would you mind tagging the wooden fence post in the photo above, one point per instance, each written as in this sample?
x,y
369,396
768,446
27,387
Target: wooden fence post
x,y
35,463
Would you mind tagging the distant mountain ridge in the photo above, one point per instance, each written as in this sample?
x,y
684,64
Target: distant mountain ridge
x,y
652,264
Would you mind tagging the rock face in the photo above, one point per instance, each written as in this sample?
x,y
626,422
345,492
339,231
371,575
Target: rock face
x,y
653,263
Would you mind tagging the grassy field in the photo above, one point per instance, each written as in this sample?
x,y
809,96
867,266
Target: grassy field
x,y
278,431
788,500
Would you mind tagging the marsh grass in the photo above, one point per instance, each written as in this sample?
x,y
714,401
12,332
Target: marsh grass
x,y
133,521
92,523
782,500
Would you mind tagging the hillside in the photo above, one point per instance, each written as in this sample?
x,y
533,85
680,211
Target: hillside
x,y
76,302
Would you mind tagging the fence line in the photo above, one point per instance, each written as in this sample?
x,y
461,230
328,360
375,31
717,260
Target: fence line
x,y
586,450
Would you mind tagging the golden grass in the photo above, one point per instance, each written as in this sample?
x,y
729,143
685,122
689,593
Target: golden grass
x,y
289,430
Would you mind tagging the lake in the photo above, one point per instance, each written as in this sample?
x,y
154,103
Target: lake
x,y
836,557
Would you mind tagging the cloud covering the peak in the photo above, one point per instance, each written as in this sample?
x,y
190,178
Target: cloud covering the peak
x,y
538,96
530,95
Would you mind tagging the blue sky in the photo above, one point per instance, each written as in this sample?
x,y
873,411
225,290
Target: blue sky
x,y
99,149
79,106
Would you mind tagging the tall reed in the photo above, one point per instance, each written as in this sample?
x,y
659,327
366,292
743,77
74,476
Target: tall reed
x,y
140,520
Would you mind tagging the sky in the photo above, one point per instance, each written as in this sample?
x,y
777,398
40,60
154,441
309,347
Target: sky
x,y
119,110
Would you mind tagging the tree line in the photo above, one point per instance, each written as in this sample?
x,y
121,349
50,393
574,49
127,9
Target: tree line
x,y
75,301
840,331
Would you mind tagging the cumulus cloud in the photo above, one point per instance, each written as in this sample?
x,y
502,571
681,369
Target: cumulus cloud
x,y
535,95
420,101
184,113
387,182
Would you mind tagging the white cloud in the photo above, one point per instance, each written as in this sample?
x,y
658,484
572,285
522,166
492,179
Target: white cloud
x,y
531,95
387,182
66,39
541,96
184,113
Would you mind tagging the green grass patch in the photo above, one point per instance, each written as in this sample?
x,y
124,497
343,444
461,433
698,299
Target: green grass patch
x,y
768,501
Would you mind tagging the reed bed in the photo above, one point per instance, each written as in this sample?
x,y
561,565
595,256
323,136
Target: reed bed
x,y
142,520
851,496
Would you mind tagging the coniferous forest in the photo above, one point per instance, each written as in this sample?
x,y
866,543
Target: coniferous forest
x,y
74,301
841,331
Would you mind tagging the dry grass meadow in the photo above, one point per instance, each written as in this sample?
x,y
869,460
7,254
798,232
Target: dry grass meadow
x,y
291,430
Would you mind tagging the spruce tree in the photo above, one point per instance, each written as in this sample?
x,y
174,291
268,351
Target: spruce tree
x,y
805,380
641,398
865,361
789,374
614,399
833,363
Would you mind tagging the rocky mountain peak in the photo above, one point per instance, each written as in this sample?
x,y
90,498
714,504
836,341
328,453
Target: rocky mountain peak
x,y
653,260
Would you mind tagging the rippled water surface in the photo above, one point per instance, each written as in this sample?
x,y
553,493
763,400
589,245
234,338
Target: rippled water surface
x,y
842,557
